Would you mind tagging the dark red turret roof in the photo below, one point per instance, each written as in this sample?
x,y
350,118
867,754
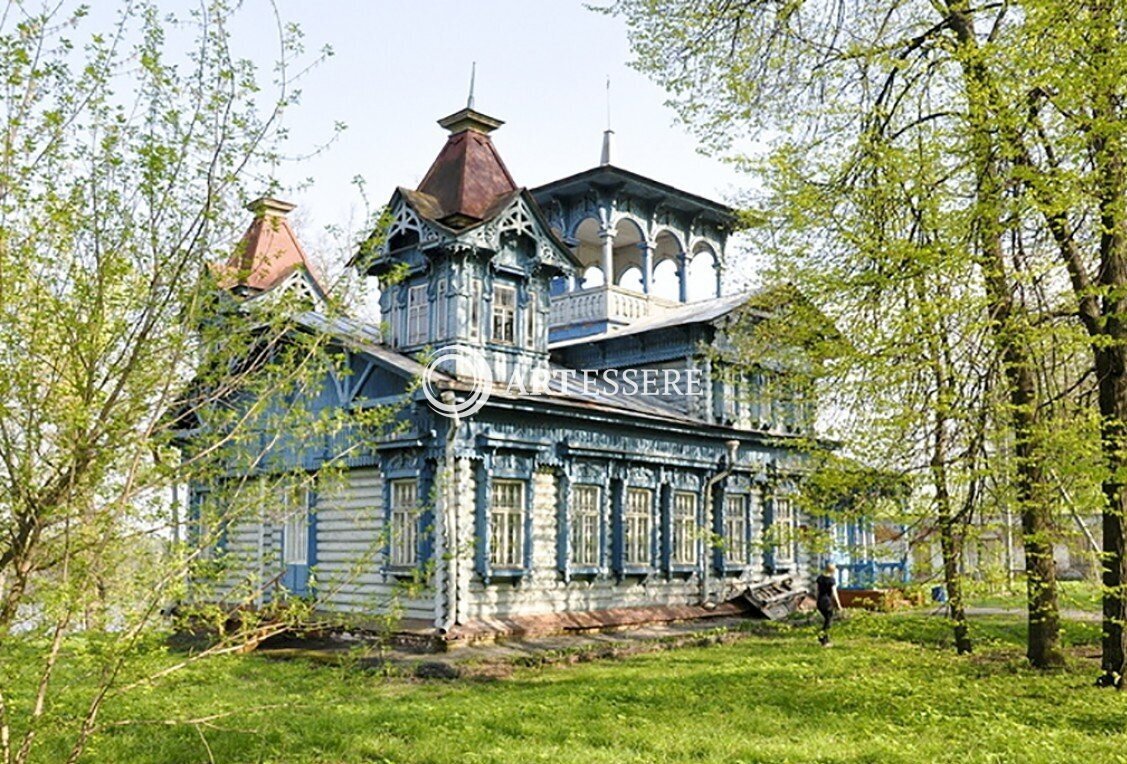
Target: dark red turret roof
x,y
468,177
268,252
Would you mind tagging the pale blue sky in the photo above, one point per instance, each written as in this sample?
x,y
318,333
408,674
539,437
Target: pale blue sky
x,y
541,67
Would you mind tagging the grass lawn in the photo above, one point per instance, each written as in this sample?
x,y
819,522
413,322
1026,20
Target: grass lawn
x,y
1073,595
889,690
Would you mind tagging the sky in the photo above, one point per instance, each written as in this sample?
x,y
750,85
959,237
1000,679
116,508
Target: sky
x,y
542,67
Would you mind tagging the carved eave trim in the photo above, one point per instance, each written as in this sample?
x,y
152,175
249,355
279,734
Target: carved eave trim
x,y
521,216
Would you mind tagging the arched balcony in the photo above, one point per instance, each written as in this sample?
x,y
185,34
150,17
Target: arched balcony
x,y
625,252
643,248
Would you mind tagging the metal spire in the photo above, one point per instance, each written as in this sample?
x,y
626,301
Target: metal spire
x,y
473,76
608,134
608,102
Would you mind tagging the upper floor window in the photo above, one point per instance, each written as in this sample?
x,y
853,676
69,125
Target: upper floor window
x,y
684,527
475,309
418,315
585,525
404,522
530,324
730,400
636,526
735,529
506,524
440,317
504,313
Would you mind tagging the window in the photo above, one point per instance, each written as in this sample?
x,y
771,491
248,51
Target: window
x,y
504,313
730,399
743,403
684,528
404,522
418,324
585,525
755,400
506,525
210,527
295,531
475,309
530,323
769,406
636,526
784,537
440,320
735,529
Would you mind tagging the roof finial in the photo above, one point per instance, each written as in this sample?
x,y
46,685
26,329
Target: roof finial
x,y
473,76
608,134
608,102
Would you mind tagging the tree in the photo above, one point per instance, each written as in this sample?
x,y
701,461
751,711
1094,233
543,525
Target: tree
x,y
123,171
846,88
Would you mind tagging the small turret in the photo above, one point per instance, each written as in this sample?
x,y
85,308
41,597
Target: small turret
x,y
268,254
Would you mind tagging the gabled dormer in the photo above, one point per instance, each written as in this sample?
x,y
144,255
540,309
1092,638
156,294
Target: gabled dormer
x,y
468,258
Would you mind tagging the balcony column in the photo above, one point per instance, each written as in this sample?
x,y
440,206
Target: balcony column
x,y
647,248
575,280
607,235
683,276
719,275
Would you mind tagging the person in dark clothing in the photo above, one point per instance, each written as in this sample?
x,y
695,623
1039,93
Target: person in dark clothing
x,y
828,601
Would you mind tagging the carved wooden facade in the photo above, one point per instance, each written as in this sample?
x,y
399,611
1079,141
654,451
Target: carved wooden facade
x,y
572,501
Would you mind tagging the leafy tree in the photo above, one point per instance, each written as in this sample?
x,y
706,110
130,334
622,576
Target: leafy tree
x,y
847,93
123,171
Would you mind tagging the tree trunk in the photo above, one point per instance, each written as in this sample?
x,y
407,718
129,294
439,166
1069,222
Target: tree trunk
x,y
1043,649
1009,332
950,538
1113,407
950,532
951,545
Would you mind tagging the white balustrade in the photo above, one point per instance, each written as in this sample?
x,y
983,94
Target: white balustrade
x,y
605,303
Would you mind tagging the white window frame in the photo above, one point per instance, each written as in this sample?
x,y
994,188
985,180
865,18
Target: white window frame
x,y
637,527
735,528
404,526
585,525
295,529
504,315
683,522
506,524
783,521
418,315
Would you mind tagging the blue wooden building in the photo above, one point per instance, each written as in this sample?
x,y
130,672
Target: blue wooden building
x,y
583,500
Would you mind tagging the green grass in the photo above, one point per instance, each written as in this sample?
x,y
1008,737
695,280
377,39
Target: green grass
x,y
889,690
1073,595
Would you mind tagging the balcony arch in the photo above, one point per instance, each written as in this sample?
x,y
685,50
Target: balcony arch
x,y
667,279
703,272
631,279
592,277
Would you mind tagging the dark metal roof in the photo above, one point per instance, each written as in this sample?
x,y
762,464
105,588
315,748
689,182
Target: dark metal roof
x,y
466,180
610,177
